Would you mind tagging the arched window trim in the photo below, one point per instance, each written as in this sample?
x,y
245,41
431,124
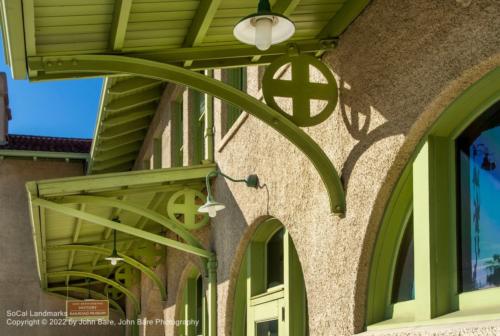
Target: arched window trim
x,y
188,304
432,169
252,289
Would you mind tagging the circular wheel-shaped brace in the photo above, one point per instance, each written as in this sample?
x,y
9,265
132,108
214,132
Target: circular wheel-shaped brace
x,y
183,207
300,89
124,275
149,254
113,292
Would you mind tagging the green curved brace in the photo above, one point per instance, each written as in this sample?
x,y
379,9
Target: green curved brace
x,y
101,250
93,293
120,227
167,72
152,215
102,279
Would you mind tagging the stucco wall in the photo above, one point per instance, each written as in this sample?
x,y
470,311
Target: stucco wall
x,y
398,66
19,283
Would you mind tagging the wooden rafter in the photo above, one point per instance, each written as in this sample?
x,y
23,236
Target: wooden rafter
x,y
119,26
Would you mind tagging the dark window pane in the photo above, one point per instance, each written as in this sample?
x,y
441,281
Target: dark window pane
x,y
199,306
267,328
478,148
403,288
275,266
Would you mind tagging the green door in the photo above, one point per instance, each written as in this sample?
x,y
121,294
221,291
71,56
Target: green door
x,y
267,316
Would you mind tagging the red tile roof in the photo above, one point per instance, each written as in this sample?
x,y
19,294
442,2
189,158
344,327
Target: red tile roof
x,y
46,144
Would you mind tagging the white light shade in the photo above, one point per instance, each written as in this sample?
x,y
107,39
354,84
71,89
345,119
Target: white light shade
x,y
254,30
211,207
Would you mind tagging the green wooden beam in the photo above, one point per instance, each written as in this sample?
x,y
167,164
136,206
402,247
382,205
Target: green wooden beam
x,y
251,105
115,143
119,25
285,7
13,33
133,84
141,211
230,52
122,228
118,181
132,262
343,18
109,155
102,279
114,162
135,100
94,294
201,22
124,129
116,120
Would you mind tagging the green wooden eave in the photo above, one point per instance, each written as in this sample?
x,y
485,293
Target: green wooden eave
x,y
127,106
192,33
72,224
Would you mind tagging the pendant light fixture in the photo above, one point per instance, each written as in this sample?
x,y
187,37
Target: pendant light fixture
x,y
264,28
114,258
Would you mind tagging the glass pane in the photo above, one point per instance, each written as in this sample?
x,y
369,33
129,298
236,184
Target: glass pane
x,y
199,306
403,288
275,257
267,328
478,211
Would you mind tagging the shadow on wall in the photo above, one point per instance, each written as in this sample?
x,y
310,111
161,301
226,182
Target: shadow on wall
x,y
398,66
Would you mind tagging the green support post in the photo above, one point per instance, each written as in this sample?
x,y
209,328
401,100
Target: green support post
x,y
212,295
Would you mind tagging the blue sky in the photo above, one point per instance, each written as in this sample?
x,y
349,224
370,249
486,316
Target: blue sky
x,y
57,108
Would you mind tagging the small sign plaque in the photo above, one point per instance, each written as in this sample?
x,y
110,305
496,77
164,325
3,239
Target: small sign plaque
x,y
87,309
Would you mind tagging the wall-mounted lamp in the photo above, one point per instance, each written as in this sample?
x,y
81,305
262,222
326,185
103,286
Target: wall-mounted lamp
x,y
212,206
264,28
114,258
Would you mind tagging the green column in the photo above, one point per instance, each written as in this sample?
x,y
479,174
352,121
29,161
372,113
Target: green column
x,y
212,295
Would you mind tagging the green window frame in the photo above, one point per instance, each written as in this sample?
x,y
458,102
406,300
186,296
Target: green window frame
x,y
193,306
177,133
157,153
428,186
252,287
237,78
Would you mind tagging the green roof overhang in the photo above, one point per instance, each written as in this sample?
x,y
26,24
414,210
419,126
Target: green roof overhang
x,y
72,222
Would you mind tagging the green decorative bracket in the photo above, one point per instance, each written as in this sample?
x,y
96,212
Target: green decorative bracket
x,y
83,64
132,262
183,207
102,279
125,276
300,89
113,292
149,254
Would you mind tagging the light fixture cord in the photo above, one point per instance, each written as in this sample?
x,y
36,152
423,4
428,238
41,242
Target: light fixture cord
x,y
264,6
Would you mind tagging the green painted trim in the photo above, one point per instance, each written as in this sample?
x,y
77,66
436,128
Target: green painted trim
x,y
386,249
44,155
212,295
201,22
39,245
93,293
141,211
119,25
120,227
117,181
166,72
131,261
343,18
285,7
438,300
13,34
102,279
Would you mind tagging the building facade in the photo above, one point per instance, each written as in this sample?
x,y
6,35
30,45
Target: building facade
x,y
414,137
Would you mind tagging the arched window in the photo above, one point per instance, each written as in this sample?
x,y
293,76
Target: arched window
x,y
270,294
192,309
437,251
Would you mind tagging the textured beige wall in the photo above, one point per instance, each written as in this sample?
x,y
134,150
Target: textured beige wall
x,y
398,66
19,285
